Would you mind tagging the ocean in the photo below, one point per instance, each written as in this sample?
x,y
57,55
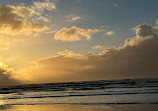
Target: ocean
x,y
127,91
113,92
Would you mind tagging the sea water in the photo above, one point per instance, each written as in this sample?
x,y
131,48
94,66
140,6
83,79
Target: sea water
x,y
126,91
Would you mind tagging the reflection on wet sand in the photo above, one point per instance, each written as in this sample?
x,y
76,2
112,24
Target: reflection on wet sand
x,y
132,107
1,102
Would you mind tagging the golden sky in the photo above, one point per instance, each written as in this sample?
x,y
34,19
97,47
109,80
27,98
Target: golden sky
x,y
56,41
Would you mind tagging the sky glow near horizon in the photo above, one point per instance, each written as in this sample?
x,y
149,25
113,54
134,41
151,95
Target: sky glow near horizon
x,y
58,40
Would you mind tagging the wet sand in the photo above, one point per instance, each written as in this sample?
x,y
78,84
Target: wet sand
x,y
69,107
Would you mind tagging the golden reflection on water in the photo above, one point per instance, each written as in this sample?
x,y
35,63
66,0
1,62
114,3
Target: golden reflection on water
x,y
51,108
130,107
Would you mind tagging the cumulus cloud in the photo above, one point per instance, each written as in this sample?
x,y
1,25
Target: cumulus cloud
x,y
109,33
72,34
138,58
14,20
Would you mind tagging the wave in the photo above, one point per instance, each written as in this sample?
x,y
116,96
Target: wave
x,y
103,91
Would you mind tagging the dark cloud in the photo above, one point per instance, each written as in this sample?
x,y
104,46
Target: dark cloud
x,y
6,78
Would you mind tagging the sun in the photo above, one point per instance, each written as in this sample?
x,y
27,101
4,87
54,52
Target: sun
x,y
1,63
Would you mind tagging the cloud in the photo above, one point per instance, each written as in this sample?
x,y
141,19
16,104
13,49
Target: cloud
x,y
4,43
97,47
45,5
138,58
95,30
6,78
40,8
41,18
73,18
67,54
115,5
72,34
110,33
15,20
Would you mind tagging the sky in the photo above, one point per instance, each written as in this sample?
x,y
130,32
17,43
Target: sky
x,y
43,41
